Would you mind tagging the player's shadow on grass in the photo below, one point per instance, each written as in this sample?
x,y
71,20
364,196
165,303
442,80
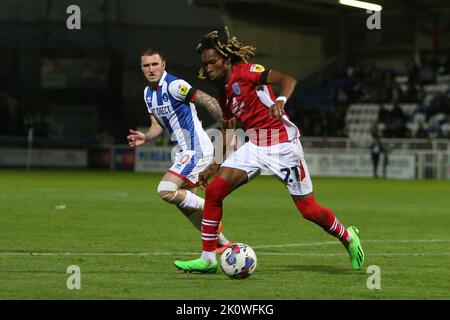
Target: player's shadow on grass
x,y
315,268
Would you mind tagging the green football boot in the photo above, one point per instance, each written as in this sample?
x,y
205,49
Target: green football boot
x,y
197,265
355,249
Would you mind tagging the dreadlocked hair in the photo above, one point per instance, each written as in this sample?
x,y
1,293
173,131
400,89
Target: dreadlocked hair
x,y
229,47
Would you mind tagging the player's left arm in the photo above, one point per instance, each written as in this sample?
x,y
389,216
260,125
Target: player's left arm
x,y
287,85
204,100
183,91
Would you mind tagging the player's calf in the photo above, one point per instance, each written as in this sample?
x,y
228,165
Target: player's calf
x,y
215,192
322,216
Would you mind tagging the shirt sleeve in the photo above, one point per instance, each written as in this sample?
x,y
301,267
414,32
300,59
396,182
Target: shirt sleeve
x,y
148,102
182,91
255,73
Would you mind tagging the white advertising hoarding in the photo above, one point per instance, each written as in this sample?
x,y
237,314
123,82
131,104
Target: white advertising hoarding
x,y
448,166
15,157
153,159
353,165
159,159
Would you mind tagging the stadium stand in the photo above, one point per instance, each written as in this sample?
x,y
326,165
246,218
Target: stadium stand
x,y
365,101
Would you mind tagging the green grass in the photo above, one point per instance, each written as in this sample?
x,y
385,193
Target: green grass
x,y
404,228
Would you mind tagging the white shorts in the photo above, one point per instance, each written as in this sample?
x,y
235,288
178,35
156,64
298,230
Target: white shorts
x,y
285,160
188,164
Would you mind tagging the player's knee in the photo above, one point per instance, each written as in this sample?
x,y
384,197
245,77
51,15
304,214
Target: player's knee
x,y
167,191
167,196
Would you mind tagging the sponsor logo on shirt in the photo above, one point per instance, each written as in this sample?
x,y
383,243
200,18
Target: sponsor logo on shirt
x,y
257,68
162,111
183,90
237,108
236,89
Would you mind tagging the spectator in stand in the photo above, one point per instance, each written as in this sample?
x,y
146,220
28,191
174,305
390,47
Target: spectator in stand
x,y
411,93
374,131
412,70
386,89
421,94
401,130
397,113
427,73
440,104
383,94
367,84
340,97
421,133
383,114
397,93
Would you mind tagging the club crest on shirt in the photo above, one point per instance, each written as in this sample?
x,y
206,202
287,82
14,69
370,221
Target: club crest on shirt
x,y
149,100
165,97
183,90
236,89
257,68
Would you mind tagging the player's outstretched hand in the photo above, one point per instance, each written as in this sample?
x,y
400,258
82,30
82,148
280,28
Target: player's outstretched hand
x,y
206,174
277,110
135,138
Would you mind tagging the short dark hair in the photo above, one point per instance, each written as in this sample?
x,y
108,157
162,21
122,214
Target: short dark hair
x,y
151,51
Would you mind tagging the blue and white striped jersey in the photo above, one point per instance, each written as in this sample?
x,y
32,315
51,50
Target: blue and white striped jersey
x,y
171,107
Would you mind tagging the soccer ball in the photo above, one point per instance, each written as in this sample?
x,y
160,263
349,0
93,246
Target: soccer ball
x,y
238,261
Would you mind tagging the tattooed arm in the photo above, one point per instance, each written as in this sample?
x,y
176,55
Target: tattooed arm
x,y
202,99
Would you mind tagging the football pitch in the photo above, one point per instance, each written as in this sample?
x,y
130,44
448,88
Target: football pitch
x,y
124,239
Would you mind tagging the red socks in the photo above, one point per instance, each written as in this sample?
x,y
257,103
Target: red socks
x,y
322,216
216,191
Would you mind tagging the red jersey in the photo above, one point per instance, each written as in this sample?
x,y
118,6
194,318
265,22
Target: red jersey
x,y
247,98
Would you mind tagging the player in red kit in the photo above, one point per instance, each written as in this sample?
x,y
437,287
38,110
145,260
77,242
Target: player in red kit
x,y
245,94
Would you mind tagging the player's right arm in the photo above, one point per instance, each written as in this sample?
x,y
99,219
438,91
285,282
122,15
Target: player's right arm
x,y
287,85
136,138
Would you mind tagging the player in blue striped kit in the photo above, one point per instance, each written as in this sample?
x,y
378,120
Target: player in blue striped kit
x,y
170,103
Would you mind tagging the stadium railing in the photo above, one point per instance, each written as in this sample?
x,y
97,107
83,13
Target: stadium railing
x,y
431,156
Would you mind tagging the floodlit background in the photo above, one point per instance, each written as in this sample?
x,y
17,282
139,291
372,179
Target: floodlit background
x,y
73,193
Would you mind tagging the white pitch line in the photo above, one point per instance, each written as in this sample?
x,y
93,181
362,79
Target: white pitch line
x,y
96,253
344,254
308,244
325,243
135,254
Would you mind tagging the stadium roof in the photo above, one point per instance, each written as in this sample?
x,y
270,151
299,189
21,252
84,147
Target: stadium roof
x,y
332,7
